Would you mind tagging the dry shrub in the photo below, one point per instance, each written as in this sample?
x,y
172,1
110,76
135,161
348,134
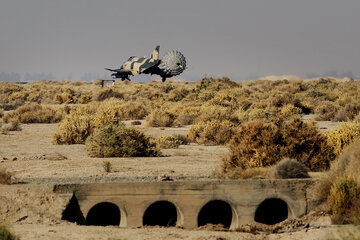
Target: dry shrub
x,y
215,84
343,136
84,99
337,194
34,113
160,117
259,144
5,233
343,194
281,99
304,142
108,93
255,144
5,176
185,115
325,111
173,141
1,112
209,113
211,132
225,99
14,126
75,127
178,94
290,110
65,97
118,141
289,168
112,111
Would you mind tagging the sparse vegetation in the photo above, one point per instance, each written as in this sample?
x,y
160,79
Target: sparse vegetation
x,y
173,141
107,166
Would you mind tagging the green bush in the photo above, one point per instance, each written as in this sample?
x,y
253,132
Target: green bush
x,y
118,141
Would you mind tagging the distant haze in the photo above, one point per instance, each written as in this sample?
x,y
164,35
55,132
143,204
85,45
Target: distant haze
x,y
241,39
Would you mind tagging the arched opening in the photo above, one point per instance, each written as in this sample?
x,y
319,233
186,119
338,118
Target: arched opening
x,y
72,212
271,211
103,214
161,213
216,212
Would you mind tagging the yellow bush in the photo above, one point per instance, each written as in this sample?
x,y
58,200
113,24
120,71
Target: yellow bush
x,y
160,117
341,137
290,110
208,113
34,113
75,127
342,194
211,132
112,111
173,141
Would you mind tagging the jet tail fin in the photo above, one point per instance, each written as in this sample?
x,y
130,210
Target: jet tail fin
x,y
155,53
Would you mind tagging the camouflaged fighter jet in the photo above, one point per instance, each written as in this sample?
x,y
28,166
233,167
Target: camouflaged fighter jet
x,y
173,63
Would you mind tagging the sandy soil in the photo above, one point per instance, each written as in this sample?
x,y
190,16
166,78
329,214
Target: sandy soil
x,y
33,211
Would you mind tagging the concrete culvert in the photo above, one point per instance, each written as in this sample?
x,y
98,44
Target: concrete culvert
x,y
161,213
216,212
104,214
271,211
72,212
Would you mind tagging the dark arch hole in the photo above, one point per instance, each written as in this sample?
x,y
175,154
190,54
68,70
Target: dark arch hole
x,y
103,214
162,213
72,212
215,212
271,211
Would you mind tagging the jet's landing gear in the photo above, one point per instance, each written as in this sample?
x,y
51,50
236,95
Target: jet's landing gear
x,y
163,79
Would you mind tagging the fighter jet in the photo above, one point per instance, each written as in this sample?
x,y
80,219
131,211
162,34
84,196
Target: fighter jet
x,y
173,63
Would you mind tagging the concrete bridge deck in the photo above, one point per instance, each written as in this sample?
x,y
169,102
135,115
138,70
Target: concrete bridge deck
x,y
187,204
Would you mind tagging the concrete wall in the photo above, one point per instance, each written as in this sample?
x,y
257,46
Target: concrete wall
x,y
189,197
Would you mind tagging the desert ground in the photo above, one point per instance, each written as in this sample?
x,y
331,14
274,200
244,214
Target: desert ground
x,y
33,211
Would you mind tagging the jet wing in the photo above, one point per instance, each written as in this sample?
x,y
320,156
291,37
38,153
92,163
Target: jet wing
x,y
119,70
148,64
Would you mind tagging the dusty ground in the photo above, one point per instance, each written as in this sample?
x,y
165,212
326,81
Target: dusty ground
x,y
33,211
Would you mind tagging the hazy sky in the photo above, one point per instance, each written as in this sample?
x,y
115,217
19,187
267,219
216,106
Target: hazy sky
x,y
240,39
